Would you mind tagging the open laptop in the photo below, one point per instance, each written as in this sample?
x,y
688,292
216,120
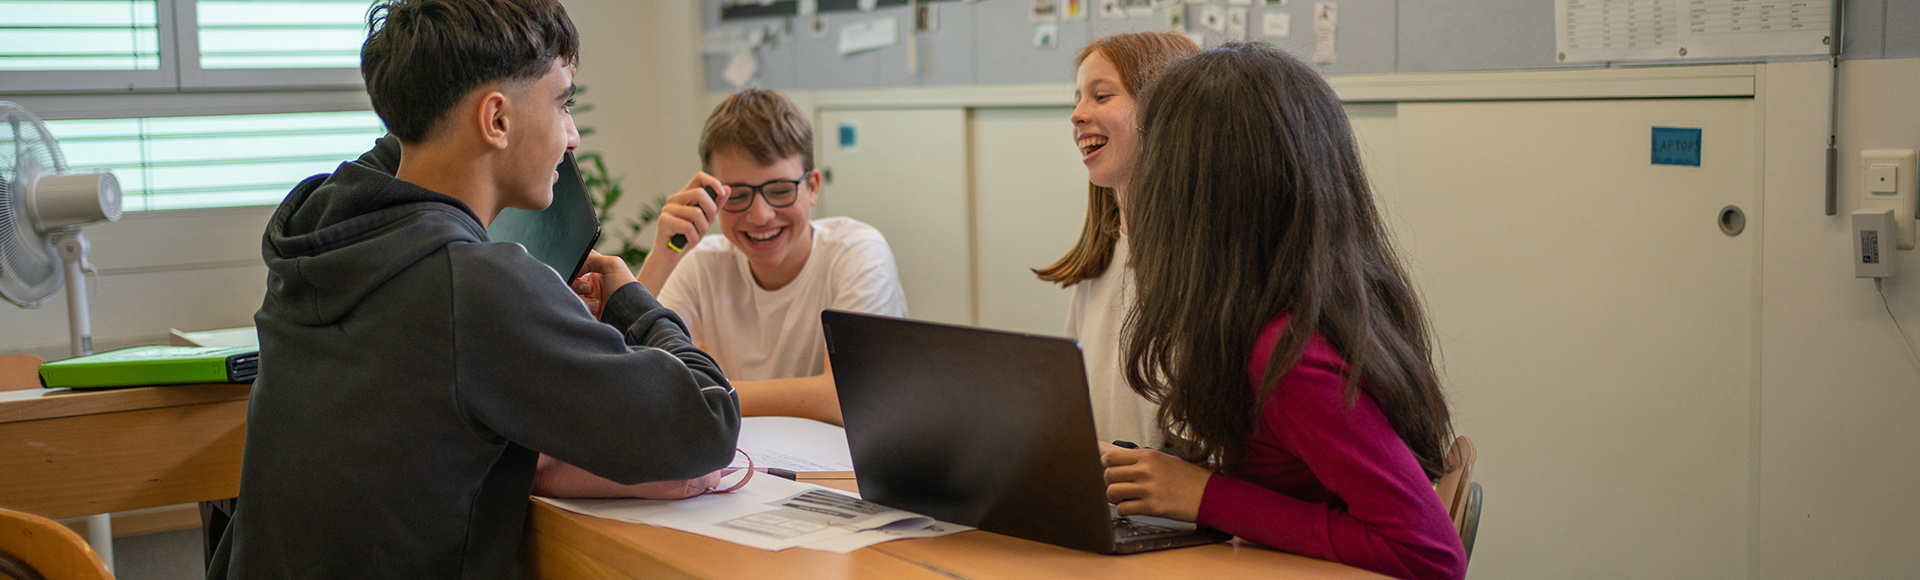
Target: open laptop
x,y
982,428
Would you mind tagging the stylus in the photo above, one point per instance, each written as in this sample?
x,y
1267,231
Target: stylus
x,y
679,241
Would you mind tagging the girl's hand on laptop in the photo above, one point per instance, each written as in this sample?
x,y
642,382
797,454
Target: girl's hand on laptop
x,y
1147,482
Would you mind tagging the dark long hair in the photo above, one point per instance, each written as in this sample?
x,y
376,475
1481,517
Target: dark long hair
x,y
1249,202
1139,57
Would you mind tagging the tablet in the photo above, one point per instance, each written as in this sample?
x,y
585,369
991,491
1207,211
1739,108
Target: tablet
x,y
559,236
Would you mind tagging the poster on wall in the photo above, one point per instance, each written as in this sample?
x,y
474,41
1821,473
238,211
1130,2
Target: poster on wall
x,y
1610,30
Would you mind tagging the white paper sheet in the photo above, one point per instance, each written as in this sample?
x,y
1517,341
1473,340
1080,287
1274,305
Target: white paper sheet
x,y
1608,30
741,69
1326,20
1236,24
772,514
869,35
1277,23
1046,35
1214,17
794,444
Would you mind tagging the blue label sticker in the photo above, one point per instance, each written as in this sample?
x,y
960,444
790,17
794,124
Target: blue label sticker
x,y
1676,146
850,138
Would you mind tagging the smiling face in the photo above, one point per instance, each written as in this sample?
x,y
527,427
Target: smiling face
x,y
541,133
1103,125
776,241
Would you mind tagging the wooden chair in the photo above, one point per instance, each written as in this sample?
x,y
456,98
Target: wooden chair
x,y
19,372
1460,493
36,548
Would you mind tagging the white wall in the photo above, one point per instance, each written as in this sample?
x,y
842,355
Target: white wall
x,y
1840,399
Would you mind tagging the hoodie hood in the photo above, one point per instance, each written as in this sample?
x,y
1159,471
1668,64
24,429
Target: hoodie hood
x,y
338,237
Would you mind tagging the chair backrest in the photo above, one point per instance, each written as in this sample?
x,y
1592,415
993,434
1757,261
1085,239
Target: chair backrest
x,y
19,372
1459,493
48,548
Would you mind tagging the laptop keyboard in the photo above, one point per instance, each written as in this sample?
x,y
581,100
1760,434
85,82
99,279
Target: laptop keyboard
x,y
1125,529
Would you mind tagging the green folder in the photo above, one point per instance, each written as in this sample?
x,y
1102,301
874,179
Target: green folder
x,y
154,365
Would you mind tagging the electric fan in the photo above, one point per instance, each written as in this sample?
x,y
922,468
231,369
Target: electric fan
x,y
42,207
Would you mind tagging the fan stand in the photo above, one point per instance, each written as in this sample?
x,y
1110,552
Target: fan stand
x,y
72,248
73,251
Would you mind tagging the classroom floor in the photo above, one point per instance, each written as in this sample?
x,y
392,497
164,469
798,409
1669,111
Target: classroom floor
x,y
161,556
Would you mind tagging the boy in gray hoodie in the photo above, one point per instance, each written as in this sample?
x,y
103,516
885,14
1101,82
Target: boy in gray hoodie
x,y
411,370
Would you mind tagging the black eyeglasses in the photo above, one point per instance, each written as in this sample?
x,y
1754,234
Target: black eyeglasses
x,y
779,193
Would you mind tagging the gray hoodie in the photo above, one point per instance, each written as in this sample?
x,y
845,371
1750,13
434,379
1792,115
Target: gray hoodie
x,y
410,374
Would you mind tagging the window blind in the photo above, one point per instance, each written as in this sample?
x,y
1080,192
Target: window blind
x,y
74,35
282,34
216,161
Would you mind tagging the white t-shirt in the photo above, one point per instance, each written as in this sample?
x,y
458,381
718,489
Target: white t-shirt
x,y
758,334
1094,318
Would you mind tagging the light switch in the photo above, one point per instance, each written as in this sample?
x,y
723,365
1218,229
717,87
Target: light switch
x,y
1883,179
1888,182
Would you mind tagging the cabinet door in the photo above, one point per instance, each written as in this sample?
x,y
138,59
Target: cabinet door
x,y
904,172
1031,197
1596,328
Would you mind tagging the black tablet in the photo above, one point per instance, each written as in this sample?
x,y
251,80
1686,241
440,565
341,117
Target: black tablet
x,y
559,236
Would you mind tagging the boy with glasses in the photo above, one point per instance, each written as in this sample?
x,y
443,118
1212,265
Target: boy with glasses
x,y
753,295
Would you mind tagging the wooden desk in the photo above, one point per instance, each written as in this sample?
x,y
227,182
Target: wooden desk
x,y
567,546
65,454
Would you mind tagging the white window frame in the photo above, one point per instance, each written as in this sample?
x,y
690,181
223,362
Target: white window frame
x,y
164,78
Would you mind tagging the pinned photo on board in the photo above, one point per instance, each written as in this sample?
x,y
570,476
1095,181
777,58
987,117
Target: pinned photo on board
x,y
1077,10
817,26
1046,36
1046,10
1214,17
1278,23
1177,18
1276,2
1236,24
1112,9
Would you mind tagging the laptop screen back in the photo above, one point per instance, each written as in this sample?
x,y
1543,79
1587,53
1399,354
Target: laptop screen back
x,y
971,426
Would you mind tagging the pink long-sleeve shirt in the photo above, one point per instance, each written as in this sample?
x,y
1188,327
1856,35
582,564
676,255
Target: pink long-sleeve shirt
x,y
1323,480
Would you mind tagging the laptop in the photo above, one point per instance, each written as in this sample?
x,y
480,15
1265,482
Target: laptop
x,y
982,428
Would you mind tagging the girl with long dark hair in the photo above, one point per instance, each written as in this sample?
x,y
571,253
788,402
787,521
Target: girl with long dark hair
x,y
1276,327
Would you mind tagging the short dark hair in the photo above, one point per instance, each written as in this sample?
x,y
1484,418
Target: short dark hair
x,y
423,56
762,123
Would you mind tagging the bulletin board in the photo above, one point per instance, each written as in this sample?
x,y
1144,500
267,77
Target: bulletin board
x,y
988,42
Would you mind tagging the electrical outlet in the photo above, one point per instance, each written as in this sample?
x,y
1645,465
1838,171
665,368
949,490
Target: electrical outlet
x,y
1888,178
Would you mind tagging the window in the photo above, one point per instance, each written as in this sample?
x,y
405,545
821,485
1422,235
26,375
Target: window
x,y
68,35
171,133
214,161
254,34
86,45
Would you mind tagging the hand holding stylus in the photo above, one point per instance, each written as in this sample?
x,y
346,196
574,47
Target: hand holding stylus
x,y
690,213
